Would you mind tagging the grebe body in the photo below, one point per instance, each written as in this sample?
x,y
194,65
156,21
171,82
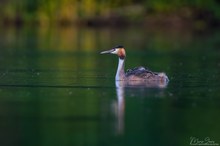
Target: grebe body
x,y
135,74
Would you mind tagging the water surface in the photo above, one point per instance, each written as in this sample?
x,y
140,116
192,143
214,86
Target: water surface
x,y
56,89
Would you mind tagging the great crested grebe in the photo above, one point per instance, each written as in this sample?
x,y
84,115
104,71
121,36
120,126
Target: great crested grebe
x,y
135,74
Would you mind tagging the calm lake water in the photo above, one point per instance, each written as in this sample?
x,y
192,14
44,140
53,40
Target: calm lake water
x,y
56,89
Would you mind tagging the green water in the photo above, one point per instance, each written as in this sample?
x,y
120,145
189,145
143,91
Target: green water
x,y
56,89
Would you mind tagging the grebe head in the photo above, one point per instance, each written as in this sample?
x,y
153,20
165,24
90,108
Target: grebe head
x,y
118,50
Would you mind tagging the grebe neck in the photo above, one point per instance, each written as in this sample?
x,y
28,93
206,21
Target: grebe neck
x,y
120,75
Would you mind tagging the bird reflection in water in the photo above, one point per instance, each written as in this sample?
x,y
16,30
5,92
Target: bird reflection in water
x,y
119,107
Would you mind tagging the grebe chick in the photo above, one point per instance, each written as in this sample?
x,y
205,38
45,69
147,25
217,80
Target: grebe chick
x,y
135,74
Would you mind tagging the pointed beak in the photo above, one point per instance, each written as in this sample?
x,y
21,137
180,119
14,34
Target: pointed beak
x,y
107,52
